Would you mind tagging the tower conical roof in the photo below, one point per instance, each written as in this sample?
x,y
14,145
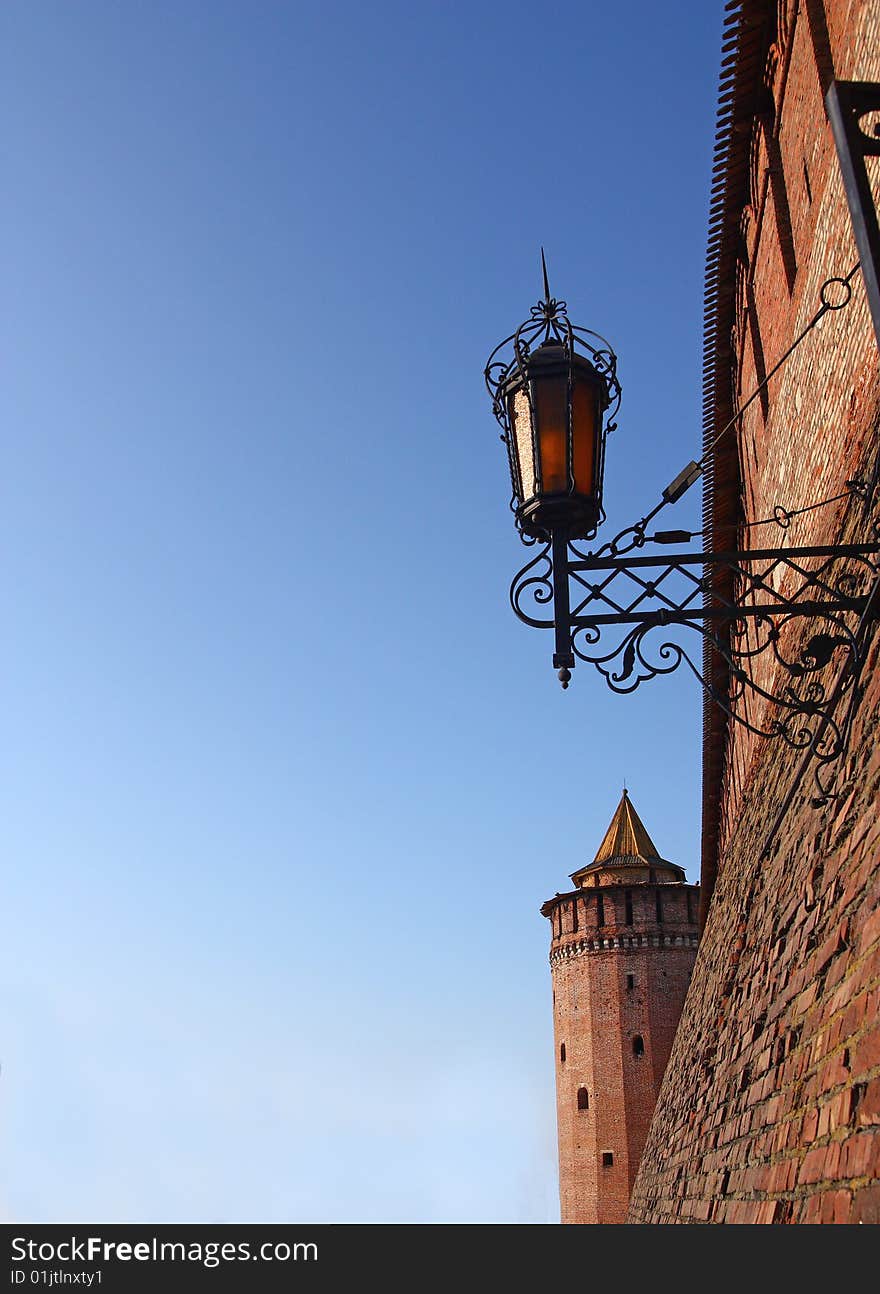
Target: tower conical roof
x,y
626,843
626,837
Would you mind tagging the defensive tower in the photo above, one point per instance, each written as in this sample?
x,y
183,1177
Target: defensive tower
x,y
622,950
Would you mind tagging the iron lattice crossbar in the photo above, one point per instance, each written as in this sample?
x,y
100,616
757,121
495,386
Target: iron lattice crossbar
x,y
649,574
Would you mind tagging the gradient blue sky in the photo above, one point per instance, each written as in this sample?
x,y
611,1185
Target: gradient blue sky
x,y
284,782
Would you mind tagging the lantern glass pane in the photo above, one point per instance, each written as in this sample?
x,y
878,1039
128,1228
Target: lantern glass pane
x,y
584,414
550,395
521,417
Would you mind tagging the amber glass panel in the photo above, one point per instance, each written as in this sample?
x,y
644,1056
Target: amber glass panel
x,y
550,395
584,415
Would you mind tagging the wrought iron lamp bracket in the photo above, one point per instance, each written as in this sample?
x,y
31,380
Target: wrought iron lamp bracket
x,y
617,609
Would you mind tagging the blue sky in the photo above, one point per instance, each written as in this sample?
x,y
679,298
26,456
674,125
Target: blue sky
x,y
284,781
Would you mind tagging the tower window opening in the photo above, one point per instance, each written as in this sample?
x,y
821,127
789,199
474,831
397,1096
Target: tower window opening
x,y
630,981
629,908
607,1159
583,1099
659,909
562,1052
600,909
638,1045
690,906
574,914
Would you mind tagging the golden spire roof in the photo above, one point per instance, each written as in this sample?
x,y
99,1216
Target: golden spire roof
x,y
626,837
626,844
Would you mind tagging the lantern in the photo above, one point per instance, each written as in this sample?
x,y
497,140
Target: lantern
x,y
551,398
554,404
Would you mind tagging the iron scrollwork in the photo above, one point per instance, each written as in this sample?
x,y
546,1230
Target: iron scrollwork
x,y
624,609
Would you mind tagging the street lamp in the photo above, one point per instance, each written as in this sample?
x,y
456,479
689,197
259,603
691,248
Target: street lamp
x,y
555,392
552,385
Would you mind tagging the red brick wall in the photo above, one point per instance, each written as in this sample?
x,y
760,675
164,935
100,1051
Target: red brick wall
x,y
597,1016
770,1107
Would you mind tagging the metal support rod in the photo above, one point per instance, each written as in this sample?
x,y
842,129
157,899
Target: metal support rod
x,y
677,615
846,102
563,658
732,558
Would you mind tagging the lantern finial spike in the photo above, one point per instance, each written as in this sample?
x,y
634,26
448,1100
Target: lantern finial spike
x,y
546,283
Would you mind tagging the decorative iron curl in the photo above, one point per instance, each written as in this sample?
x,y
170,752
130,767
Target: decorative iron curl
x,y
625,667
625,541
548,321
802,710
533,581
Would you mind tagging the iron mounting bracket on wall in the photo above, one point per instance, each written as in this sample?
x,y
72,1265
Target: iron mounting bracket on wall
x,y
614,608
847,102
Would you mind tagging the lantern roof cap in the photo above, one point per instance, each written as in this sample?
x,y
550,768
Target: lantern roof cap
x,y
626,843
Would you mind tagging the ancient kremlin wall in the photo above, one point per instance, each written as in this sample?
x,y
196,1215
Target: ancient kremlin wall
x,y
769,1111
622,948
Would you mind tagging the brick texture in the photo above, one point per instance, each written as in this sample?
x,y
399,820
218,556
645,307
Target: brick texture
x,y
769,1111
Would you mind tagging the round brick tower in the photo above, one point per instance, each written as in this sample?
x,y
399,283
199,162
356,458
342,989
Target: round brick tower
x,y
622,950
